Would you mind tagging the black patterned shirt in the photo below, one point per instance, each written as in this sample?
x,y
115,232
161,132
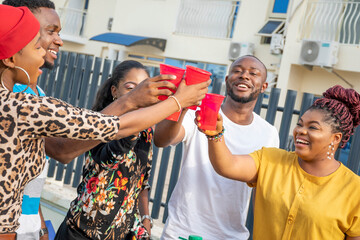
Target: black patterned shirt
x,y
114,174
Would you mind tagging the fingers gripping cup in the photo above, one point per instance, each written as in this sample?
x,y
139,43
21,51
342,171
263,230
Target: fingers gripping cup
x,y
168,69
209,110
179,73
195,75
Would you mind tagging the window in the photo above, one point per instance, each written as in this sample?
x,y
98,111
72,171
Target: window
x,y
271,27
152,66
217,77
73,18
278,9
136,56
332,21
280,6
350,28
218,71
276,21
207,18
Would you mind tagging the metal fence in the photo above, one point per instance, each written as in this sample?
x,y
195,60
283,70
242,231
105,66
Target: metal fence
x,y
335,20
76,79
207,18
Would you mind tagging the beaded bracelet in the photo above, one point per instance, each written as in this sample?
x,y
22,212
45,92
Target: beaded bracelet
x,y
217,137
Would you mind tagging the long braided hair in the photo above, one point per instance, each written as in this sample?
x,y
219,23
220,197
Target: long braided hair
x,y
341,108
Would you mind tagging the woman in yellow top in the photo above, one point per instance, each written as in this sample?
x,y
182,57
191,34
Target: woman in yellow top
x,y
306,194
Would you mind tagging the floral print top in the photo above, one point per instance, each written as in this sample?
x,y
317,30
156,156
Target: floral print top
x,y
113,176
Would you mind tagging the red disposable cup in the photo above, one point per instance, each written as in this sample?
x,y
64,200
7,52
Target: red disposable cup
x,y
209,110
195,75
174,117
168,69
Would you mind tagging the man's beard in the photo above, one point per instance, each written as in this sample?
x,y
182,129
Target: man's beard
x,y
252,97
48,65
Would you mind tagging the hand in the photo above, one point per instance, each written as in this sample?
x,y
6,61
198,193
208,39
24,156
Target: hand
x,y
146,93
219,125
147,225
192,94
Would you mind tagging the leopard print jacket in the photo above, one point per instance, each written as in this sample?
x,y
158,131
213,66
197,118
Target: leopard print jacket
x,y
24,122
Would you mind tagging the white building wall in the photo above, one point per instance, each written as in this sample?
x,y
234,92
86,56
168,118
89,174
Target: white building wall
x,y
157,18
297,77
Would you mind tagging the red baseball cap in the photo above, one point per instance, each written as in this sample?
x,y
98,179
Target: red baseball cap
x,y
18,26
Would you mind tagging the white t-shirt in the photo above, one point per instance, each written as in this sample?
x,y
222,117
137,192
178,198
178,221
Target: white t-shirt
x,y
204,203
30,221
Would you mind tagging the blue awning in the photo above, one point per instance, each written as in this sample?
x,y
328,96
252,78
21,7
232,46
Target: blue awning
x,y
130,40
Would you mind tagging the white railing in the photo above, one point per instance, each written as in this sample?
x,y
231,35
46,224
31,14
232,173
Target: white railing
x,y
72,21
332,20
206,18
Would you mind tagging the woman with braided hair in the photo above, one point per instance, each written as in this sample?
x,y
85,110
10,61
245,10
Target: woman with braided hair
x,y
305,194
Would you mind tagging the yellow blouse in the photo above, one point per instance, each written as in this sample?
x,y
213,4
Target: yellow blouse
x,y
291,204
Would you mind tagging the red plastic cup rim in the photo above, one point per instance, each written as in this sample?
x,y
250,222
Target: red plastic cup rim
x,y
202,71
168,69
215,96
170,66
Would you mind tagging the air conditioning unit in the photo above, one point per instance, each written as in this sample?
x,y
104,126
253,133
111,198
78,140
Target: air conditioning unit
x,y
276,44
271,79
238,49
319,53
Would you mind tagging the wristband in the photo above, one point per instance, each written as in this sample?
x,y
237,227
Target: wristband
x,y
217,137
43,231
147,217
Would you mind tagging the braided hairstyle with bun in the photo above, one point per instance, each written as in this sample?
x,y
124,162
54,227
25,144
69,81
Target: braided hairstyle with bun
x,y
341,108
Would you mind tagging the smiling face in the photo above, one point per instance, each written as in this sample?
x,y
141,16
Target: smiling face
x,y
50,27
312,136
133,78
30,58
246,80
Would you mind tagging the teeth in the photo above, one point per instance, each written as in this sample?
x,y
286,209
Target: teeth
x,y
302,141
243,86
53,52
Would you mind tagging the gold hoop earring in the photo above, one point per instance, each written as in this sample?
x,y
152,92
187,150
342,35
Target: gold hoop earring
x,y
114,98
1,79
27,75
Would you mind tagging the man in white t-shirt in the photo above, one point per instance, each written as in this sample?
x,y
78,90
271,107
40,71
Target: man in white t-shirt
x,y
204,203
